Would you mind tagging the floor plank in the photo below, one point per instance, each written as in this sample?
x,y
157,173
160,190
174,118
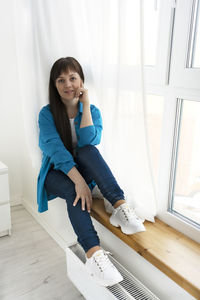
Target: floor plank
x,y
32,265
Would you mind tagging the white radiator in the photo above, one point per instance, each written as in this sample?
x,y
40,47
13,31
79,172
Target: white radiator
x,y
128,289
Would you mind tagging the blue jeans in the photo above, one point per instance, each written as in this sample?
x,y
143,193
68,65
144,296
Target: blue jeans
x,y
92,166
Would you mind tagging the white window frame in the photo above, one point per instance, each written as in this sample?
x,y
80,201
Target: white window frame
x,y
181,75
158,74
160,83
165,165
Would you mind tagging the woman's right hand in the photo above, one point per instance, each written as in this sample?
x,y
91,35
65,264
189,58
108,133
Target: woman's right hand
x,y
83,192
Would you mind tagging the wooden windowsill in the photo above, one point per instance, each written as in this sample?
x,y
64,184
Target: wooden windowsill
x,y
170,251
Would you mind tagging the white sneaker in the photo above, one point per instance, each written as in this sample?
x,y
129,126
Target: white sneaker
x,y
102,269
125,217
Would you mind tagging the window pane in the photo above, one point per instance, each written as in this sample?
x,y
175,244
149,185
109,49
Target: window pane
x,y
154,111
194,39
196,58
151,13
186,198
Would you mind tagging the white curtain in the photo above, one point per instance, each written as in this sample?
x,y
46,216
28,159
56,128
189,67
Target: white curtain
x,y
105,36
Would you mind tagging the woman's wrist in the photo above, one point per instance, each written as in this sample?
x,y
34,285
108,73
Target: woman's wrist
x,y
75,176
86,116
86,104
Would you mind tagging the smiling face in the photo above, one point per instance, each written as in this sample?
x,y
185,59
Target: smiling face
x,y
67,83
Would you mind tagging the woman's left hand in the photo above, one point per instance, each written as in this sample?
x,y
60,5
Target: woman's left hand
x,y
82,94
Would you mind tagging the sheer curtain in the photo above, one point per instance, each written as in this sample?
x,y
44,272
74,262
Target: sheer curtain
x,y
105,36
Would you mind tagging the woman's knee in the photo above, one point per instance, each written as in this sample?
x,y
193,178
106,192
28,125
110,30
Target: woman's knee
x,y
86,150
57,183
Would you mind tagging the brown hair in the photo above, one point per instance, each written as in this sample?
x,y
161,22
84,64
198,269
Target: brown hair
x,y
57,107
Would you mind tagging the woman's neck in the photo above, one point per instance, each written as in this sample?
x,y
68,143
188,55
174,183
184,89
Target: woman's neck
x,y
72,110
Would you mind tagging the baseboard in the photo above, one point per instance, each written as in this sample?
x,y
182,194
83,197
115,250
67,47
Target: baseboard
x,y
15,201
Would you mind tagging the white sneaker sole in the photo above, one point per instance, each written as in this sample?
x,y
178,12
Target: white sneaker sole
x,y
100,281
125,230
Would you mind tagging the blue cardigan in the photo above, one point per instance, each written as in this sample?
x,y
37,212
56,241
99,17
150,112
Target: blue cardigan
x,y
54,152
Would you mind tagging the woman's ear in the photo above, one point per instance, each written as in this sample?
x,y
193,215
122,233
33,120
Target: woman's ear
x,y
82,83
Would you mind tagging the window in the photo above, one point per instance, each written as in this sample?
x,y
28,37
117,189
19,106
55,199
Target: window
x,y
185,70
174,140
157,28
185,181
194,40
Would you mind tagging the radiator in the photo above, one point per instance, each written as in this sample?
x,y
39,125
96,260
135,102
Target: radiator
x,y
128,289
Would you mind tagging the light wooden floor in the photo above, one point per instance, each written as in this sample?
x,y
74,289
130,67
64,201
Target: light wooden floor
x,y
32,265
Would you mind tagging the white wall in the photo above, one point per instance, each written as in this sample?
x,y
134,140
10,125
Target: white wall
x,y
23,161
11,130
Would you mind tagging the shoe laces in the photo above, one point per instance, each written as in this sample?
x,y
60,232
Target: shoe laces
x,y
129,213
102,260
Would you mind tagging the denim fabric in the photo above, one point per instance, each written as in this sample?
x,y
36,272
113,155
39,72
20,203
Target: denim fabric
x,y
92,166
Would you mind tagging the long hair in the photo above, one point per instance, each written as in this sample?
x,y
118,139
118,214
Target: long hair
x,y
57,107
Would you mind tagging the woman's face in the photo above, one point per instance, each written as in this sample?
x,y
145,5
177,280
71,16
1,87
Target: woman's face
x,y
67,84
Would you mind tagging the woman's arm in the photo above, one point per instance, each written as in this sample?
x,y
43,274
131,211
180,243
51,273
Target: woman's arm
x,y
82,190
91,121
75,176
91,134
82,94
86,116
51,144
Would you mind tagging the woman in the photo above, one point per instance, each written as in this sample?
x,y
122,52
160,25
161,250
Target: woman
x,y
70,127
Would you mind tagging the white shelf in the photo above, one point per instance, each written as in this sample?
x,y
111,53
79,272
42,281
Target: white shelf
x,y
3,168
5,217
